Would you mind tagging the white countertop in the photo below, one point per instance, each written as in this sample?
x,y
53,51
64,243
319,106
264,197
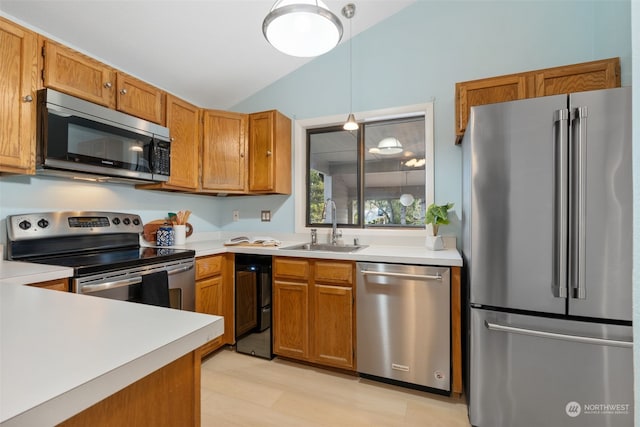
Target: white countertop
x,y
21,273
418,255
62,352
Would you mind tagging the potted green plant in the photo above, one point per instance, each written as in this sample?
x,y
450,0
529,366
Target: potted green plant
x,y
436,215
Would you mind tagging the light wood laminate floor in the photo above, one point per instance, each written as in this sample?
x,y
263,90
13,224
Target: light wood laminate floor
x,y
241,390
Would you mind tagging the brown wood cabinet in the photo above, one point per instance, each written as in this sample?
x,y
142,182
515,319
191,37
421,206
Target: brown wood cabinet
x,y
224,152
76,74
183,121
214,295
140,99
55,285
585,76
167,397
269,153
314,315
79,75
18,85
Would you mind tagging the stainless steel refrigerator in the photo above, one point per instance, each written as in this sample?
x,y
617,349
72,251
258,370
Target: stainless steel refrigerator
x,y
547,241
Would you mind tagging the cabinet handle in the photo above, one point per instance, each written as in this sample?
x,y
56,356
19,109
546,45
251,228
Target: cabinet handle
x,y
172,139
108,85
27,98
268,153
241,154
123,92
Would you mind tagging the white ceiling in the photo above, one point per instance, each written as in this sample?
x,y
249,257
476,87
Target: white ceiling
x,y
209,52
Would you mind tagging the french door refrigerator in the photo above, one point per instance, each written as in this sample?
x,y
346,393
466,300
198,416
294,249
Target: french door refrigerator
x,y
547,241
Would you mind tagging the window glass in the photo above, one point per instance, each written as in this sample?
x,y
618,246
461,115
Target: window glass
x,y
332,174
394,173
375,175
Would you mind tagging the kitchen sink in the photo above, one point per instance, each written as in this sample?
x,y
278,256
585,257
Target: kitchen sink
x,y
324,247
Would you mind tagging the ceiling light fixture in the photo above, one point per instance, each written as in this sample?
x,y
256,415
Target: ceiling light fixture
x,y
302,28
387,146
348,11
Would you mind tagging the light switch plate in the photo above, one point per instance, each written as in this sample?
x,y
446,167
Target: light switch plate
x,y
265,216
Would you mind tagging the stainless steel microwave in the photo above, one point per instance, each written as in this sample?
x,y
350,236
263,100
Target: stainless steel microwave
x,y
81,139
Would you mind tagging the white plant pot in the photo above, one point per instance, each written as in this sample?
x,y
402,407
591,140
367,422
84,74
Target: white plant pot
x,y
434,243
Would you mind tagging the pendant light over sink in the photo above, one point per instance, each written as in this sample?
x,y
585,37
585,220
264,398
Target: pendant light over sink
x,y
303,28
348,11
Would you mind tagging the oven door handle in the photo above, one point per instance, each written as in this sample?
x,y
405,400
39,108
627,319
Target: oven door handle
x,y
86,289
179,270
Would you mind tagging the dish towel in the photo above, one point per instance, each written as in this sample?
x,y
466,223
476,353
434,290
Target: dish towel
x,y
154,289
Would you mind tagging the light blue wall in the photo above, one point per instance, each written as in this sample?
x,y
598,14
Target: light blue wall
x,y
420,53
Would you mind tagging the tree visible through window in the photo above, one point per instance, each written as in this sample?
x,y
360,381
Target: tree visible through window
x,y
375,175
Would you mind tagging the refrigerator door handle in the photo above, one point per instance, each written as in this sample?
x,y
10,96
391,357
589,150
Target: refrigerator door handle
x,y
557,336
579,189
561,200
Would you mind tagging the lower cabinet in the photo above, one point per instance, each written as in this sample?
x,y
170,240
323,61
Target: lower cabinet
x,y
314,315
214,295
55,285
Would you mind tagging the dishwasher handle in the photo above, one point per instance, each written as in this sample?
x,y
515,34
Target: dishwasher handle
x,y
436,276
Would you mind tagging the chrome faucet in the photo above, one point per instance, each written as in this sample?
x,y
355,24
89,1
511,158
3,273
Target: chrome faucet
x,y
334,222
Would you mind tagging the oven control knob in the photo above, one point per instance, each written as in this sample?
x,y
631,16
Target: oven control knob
x,y
126,221
43,223
136,221
116,221
25,225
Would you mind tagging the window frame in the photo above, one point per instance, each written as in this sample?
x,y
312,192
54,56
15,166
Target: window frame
x,y
301,161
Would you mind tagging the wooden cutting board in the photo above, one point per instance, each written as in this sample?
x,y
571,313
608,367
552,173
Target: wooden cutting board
x,y
151,228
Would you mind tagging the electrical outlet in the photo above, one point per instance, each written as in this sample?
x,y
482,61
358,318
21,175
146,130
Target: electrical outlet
x,y
265,216
236,215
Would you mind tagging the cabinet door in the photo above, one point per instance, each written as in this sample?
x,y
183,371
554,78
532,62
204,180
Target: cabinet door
x,y
184,128
18,71
594,75
224,160
140,99
486,91
54,285
269,153
76,74
290,319
209,296
333,326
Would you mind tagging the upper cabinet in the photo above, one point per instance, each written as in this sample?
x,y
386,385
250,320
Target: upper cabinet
x,y
269,153
140,99
79,75
18,85
593,75
183,121
224,152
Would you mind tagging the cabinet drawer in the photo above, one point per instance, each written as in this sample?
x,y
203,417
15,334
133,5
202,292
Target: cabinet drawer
x,y
208,266
291,268
340,273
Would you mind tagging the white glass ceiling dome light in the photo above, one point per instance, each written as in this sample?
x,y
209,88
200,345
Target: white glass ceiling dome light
x,y
302,28
387,146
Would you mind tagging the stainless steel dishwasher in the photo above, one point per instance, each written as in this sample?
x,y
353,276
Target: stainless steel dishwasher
x,y
403,325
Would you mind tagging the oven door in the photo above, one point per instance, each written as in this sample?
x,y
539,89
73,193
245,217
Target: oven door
x,y
129,284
